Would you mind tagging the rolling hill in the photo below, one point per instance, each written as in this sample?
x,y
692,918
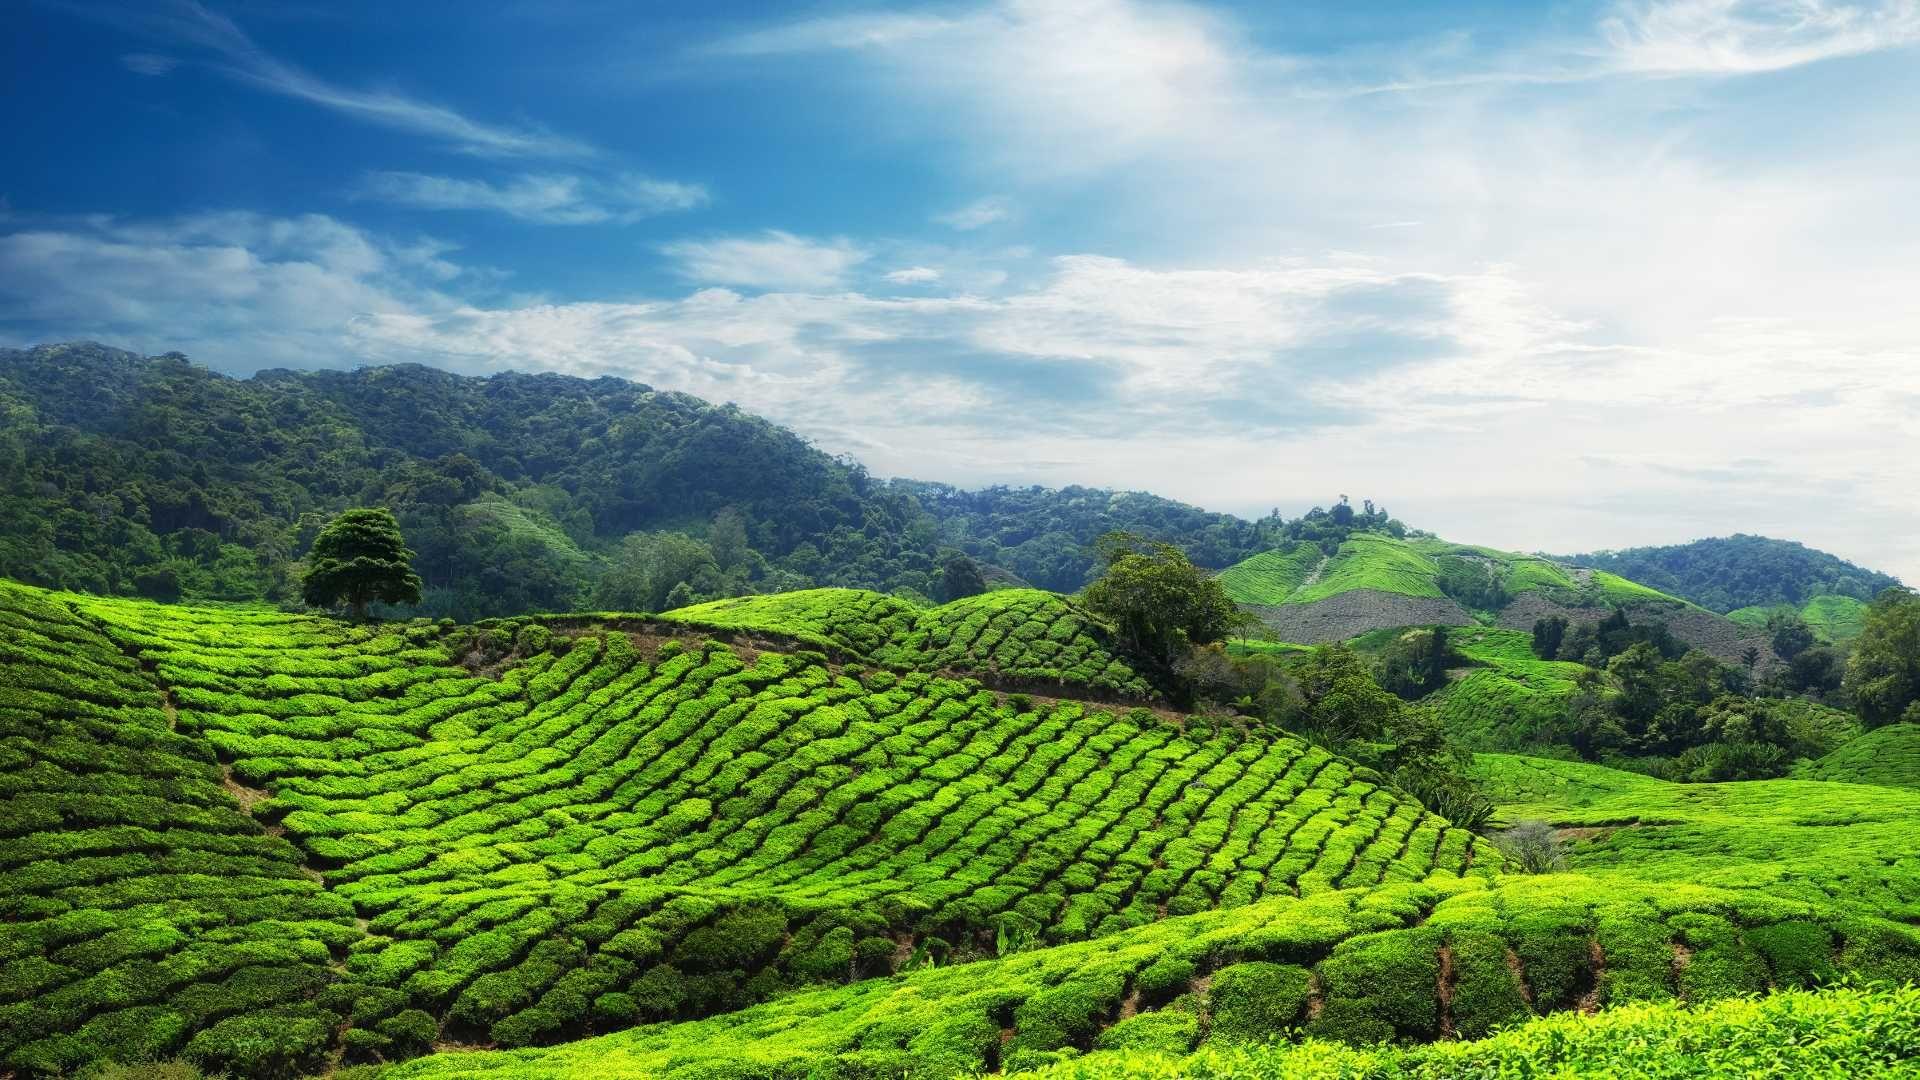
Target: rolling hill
x,y
1887,756
1834,620
1379,582
1726,574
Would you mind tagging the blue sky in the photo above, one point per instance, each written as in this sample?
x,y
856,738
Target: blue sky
x,y
1546,276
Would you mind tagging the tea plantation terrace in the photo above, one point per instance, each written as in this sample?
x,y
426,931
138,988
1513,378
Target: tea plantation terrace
x,y
258,839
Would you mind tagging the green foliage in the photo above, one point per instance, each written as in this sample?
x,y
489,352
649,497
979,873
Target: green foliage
x,y
1341,702
1531,847
358,559
1478,584
159,478
1269,578
1158,601
1255,1001
589,835
1888,756
961,578
1741,571
1852,1033
1883,674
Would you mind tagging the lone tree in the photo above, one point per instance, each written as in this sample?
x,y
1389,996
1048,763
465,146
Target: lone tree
x,y
1160,602
357,559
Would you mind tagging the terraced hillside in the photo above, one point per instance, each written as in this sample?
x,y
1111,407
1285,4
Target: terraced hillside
x,y
1677,895
1835,620
1509,696
146,913
1377,582
262,840
1018,638
1888,756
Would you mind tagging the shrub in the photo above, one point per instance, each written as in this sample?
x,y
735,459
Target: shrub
x,y
1256,1001
1164,979
1531,847
264,1044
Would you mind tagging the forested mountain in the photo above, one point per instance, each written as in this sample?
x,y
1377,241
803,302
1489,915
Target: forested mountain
x,y
1738,571
155,476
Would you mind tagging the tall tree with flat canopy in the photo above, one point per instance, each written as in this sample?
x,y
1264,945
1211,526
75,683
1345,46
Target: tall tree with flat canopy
x,y
357,559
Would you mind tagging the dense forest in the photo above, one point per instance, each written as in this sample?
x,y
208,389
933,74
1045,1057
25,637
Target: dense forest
x,y
157,477
1738,571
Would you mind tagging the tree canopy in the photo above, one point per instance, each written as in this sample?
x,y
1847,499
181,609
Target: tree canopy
x,y
154,476
1728,573
1159,602
1883,675
360,558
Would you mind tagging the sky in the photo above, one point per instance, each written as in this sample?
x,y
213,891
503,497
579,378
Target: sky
x,y
1543,276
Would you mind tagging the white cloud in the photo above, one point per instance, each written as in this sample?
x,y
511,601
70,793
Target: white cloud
x,y
1092,81
771,260
975,215
913,275
240,289
550,199
189,24
1237,385
1738,37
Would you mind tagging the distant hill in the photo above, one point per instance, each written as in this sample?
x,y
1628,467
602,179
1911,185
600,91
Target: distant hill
x,y
154,476
1835,620
1376,581
1741,571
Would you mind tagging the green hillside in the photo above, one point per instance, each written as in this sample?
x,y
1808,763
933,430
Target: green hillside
x,y
606,845
1373,562
261,840
1859,1034
1676,894
1017,638
1835,620
1740,571
156,477
1509,696
1888,756
1269,578
1478,578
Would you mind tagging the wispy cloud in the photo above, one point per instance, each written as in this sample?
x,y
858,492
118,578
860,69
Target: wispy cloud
x,y
914,275
186,23
1739,37
867,30
545,198
771,260
146,63
975,215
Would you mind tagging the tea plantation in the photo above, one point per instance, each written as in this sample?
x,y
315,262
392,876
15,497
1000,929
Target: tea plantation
x,y
1014,637
1509,695
1888,756
1300,573
843,841
592,837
